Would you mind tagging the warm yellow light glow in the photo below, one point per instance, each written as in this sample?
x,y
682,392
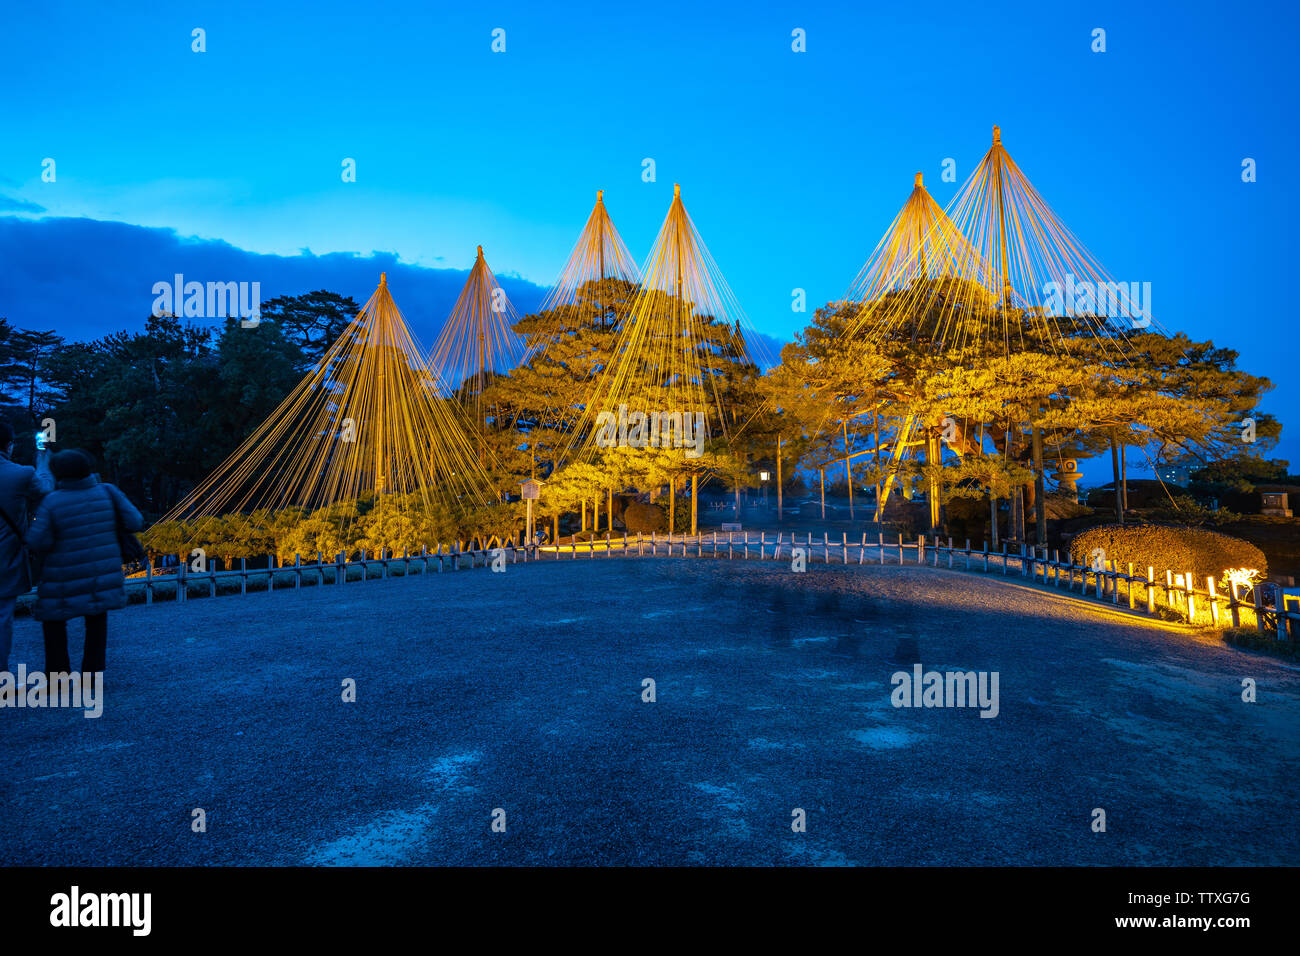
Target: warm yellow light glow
x,y
683,330
370,418
1241,577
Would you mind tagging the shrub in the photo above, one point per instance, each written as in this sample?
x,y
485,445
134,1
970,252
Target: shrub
x,y
1163,547
1186,510
967,518
1142,493
1061,507
642,518
1254,640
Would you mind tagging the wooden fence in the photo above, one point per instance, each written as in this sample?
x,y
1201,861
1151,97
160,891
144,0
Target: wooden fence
x,y
1139,589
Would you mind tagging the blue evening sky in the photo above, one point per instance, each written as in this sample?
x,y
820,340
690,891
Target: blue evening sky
x,y
792,165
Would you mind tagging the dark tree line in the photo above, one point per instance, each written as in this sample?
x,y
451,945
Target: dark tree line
x,y
162,407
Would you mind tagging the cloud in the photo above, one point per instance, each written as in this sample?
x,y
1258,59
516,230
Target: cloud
x,y
10,204
86,278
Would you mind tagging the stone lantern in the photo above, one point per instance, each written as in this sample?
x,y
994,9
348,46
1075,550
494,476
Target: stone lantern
x,y
1066,476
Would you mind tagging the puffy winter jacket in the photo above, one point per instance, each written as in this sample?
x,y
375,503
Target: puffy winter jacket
x,y
75,529
21,487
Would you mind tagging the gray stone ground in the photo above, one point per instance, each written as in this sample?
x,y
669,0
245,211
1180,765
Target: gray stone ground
x,y
523,691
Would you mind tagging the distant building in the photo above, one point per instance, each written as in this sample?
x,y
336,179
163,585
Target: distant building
x,y
1174,475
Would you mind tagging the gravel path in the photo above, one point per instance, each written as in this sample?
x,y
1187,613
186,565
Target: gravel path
x,y
522,691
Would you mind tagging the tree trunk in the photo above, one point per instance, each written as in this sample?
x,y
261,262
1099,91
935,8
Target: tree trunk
x,y
695,507
1015,513
875,425
1123,472
848,471
932,456
780,498
1114,467
1040,492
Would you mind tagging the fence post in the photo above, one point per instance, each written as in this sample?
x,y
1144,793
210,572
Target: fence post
x,y
297,572
1279,602
968,554
148,579
180,582
1213,596
1259,605
920,549
1233,608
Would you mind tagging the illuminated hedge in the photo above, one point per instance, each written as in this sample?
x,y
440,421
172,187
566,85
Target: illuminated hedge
x,y
1164,547
641,518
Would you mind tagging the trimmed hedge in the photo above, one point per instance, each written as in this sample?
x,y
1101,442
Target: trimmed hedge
x,y
642,518
1142,493
1167,547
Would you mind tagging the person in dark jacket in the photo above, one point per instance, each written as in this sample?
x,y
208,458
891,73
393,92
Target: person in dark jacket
x,y
21,487
75,529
